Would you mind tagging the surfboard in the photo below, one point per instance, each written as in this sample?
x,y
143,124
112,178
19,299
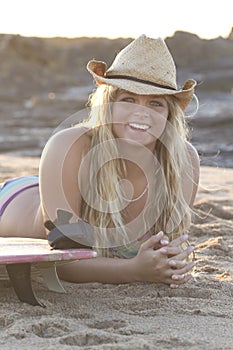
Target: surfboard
x,y
19,254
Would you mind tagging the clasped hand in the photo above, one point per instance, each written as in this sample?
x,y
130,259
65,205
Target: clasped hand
x,y
159,260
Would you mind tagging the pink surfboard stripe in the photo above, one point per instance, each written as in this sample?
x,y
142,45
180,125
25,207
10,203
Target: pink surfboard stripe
x,y
26,250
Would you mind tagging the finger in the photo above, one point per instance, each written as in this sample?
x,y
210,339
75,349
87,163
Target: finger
x,y
184,254
152,241
177,252
164,241
179,240
187,268
177,277
180,275
180,279
176,264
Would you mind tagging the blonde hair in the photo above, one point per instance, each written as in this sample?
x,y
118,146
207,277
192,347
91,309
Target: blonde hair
x,y
169,207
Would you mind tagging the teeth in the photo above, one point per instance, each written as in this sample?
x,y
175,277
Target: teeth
x,y
139,126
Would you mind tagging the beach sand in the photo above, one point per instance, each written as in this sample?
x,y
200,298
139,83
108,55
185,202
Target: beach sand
x,y
198,315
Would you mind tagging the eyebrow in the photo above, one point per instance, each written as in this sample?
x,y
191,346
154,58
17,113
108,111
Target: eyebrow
x,y
127,92
133,94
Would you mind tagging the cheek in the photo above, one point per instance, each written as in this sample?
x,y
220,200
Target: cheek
x,y
118,129
121,111
160,119
160,122
119,117
163,123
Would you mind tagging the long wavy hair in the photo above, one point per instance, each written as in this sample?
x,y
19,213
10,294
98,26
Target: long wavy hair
x,y
167,209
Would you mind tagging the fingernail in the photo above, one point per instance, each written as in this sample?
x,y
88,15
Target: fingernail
x,y
184,237
175,277
178,277
163,250
191,249
172,263
164,241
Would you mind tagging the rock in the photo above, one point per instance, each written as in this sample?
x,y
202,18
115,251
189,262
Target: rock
x,y
44,80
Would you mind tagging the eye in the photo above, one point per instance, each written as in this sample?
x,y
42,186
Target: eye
x,y
156,103
127,99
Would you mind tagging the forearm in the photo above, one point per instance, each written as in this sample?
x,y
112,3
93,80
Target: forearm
x,y
103,270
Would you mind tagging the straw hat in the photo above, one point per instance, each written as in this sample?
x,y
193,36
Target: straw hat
x,y
145,67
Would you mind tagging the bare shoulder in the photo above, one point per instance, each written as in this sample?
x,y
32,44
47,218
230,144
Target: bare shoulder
x,y
194,157
79,135
59,170
74,138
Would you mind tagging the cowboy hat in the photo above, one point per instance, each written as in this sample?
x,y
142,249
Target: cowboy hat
x,y
144,67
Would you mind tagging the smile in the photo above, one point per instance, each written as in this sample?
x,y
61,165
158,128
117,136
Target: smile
x,y
143,127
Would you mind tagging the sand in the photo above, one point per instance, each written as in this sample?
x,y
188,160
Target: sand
x,y
198,315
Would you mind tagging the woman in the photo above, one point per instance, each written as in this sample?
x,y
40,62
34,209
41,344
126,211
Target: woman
x,y
127,170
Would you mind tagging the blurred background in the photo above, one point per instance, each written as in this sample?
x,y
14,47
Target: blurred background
x,y
45,46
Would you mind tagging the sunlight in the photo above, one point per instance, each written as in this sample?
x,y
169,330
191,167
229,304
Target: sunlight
x,y
72,18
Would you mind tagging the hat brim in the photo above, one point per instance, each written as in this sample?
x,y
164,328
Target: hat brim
x,y
183,95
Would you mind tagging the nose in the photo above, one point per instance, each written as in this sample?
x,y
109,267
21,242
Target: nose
x,y
141,110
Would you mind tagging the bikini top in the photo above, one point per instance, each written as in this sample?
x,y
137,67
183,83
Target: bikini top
x,y
11,188
126,251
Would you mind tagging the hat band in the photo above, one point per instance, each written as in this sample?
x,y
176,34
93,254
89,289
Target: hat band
x,y
127,77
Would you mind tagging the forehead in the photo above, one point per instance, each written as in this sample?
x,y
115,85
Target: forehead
x,y
128,93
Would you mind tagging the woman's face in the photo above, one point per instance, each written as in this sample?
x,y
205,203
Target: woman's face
x,y
139,118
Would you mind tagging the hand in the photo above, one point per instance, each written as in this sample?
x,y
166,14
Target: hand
x,y
163,265
178,260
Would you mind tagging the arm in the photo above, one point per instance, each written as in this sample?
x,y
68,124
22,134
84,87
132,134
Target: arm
x,y
103,270
58,173
148,266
